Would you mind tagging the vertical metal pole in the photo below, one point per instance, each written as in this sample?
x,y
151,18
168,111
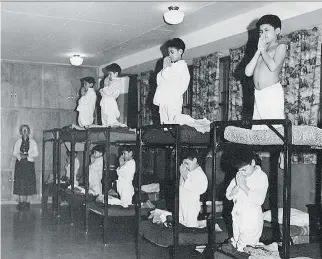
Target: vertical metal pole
x,y
54,195
58,173
138,202
212,245
43,199
86,178
106,181
287,188
71,174
176,193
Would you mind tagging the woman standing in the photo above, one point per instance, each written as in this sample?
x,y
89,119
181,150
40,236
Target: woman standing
x,y
25,150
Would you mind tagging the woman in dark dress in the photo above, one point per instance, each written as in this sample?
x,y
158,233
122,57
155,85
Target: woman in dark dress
x,y
25,150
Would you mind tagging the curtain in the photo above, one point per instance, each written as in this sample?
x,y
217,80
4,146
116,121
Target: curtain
x,y
235,106
205,88
301,79
144,84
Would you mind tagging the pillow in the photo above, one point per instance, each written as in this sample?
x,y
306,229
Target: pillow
x,y
298,218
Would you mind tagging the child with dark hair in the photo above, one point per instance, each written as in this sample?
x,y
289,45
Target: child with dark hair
x,y
86,104
248,191
173,80
125,173
25,150
110,92
96,170
265,67
193,183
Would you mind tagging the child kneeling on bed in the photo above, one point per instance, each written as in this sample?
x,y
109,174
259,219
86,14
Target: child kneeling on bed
x,y
193,183
96,170
125,173
248,191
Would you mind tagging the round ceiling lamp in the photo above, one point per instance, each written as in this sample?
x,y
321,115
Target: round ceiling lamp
x,y
173,16
76,60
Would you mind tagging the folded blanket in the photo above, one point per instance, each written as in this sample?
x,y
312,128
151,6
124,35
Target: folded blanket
x,y
263,251
201,125
298,218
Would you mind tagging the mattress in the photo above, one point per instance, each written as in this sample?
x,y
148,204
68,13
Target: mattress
x,y
162,236
188,135
117,135
301,135
116,210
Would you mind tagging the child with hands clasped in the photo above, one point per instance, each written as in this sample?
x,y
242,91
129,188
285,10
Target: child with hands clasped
x,y
125,173
265,67
96,170
111,91
193,183
173,80
86,104
248,191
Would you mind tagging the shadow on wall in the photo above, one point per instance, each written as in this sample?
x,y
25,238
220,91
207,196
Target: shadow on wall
x,y
239,73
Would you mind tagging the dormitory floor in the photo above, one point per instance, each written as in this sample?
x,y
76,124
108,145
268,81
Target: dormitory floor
x,y
35,235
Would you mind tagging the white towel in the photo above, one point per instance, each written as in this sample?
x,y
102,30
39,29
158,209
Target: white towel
x,y
153,187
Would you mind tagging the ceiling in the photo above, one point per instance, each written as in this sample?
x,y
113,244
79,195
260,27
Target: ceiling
x,y
101,32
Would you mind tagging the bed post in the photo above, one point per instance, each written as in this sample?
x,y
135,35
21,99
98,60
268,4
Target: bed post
x,y
106,180
43,157
86,178
138,200
176,193
72,172
287,188
55,192
58,172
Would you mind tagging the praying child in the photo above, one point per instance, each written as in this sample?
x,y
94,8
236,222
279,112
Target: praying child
x,y
248,191
110,92
86,104
265,67
125,173
173,80
193,183
96,170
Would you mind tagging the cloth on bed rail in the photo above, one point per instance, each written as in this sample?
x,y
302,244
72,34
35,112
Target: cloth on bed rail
x,y
115,125
301,135
201,125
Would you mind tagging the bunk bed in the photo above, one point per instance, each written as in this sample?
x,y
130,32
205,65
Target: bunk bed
x,y
287,138
175,137
93,135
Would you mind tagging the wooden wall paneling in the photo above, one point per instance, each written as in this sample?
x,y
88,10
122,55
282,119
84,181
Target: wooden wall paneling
x,y
50,87
27,81
7,90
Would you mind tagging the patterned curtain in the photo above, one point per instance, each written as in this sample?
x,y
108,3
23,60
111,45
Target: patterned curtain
x,y
144,84
235,106
301,78
205,88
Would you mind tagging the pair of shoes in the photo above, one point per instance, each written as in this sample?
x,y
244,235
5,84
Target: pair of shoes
x,y
19,206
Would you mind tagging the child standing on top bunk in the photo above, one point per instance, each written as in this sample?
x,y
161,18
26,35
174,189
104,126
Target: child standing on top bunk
x,y
110,92
125,173
248,191
193,183
96,170
86,104
173,80
265,66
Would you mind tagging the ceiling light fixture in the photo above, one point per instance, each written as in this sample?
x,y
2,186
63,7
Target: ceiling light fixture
x,y
76,60
173,16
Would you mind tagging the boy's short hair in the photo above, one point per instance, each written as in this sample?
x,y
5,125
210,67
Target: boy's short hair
x,y
190,154
270,19
128,149
99,148
112,68
176,43
241,155
88,79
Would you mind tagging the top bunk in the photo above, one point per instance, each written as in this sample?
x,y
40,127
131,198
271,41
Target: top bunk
x,y
276,133
171,134
96,134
